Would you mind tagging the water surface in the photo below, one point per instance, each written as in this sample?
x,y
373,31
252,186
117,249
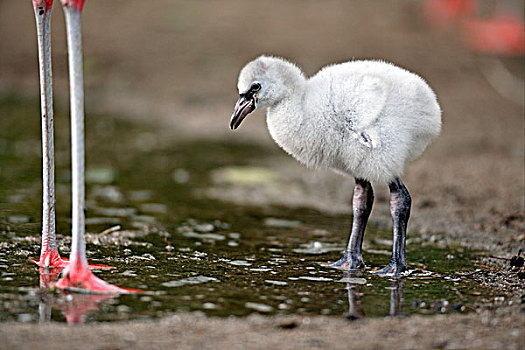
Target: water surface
x,y
147,217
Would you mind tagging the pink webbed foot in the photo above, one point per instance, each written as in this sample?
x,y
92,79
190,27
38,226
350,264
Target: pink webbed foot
x,y
79,279
100,267
48,277
52,260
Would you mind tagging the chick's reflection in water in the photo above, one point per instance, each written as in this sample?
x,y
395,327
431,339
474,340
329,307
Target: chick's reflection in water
x,y
355,306
354,283
396,296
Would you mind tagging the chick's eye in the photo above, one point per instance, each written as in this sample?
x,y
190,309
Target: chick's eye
x,y
256,87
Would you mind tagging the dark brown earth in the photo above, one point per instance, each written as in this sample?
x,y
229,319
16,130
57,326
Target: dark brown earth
x,y
174,64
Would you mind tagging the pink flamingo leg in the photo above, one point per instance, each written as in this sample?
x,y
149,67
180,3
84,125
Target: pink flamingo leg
x,y
52,260
77,277
49,256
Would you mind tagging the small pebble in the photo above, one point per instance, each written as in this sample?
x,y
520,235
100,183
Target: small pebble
x,y
258,307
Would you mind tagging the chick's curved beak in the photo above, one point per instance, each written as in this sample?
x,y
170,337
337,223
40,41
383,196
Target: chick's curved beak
x,y
244,106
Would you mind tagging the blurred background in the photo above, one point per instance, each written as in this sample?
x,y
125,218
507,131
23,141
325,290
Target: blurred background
x,y
173,64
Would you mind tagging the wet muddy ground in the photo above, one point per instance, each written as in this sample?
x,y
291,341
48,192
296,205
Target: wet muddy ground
x,y
190,253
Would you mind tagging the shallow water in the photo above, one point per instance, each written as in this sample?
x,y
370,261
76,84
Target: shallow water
x,y
147,218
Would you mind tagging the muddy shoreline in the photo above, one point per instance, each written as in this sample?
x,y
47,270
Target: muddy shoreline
x,y
497,329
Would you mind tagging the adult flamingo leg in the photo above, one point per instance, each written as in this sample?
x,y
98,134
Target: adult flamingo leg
x,y
49,256
77,277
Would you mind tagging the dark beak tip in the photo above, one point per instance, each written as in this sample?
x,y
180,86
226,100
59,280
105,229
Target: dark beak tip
x,y
233,122
243,107
234,125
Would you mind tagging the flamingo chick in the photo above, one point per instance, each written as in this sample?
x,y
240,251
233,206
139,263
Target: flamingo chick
x,y
366,119
77,276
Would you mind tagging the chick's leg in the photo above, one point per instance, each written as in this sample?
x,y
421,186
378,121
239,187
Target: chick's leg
x,y
362,206
400,203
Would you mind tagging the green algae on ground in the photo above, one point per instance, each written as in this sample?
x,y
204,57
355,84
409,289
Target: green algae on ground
x,y
190,253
